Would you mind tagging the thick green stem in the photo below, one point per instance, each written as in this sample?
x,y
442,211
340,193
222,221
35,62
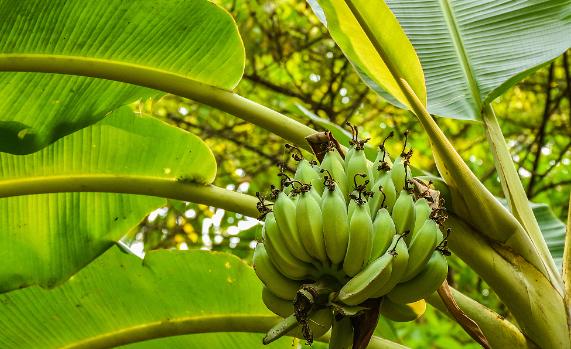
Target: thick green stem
x,y
197,325
168,188
513,188
500,332
538,308
471,199
227,101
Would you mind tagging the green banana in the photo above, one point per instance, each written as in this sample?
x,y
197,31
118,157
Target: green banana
x,y
420,249
349,155
360,243
399,263
335,224
285,213
403,212
280,285
307,174
364,285
333,163
383,233
388,187
379,197
310,226
275,304
280,256
422,212
358,164
402,312
351,208
398,173
341,334
425,283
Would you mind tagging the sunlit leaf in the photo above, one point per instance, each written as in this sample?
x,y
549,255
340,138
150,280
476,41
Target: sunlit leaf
x,y
374,42
473,51
120,299
193,39
45,238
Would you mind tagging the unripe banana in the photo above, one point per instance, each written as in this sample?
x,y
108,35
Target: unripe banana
x,y
275,304
351,208
341,334
403,212
386,183
333,163
424,284
375,168
310,226
335,225
348,157
285,213
399,173
398,263
320,322
280,285
402,312
422,212
360,243
379,197
358,164
313,192
364,285
307,174
280,256
383,233
421,248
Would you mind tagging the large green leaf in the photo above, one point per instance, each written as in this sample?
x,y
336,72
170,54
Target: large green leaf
x,y
46,238
473,50
553,231
372,39
192,39
120,299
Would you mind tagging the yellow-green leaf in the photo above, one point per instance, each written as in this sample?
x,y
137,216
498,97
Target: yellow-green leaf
x,y
373,40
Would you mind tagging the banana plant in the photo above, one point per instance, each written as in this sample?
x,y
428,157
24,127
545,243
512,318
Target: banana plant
x,y
79,169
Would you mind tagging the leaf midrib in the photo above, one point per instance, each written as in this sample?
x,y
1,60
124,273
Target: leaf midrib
x,y
458,44
177,326
133,184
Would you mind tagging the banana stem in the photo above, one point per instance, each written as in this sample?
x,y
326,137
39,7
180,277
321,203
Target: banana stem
x,y
538,308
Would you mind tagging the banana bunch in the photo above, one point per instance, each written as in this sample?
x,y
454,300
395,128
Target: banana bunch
x,y
345,231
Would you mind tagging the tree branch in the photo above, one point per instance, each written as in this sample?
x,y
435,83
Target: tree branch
x,y
540,138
